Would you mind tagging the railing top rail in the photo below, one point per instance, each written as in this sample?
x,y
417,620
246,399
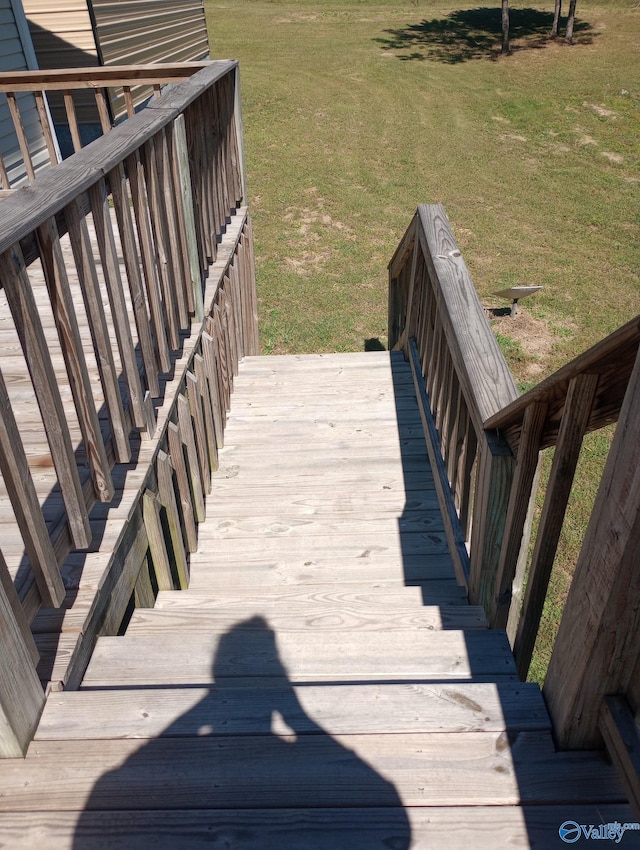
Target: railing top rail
x,y
32,205
98,77
612,359
485,378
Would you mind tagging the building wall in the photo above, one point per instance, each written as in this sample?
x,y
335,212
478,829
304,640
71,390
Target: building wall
x,y
148,31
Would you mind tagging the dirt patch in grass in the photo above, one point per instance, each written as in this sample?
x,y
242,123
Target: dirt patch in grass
x,y
527,341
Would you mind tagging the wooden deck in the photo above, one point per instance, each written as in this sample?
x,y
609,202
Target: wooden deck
x,y
323,682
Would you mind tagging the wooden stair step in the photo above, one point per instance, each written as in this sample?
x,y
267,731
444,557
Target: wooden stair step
x,y
391,574
250,650
336,709
314,618
308,500
435,827
439,769
365,597
229,528
339,544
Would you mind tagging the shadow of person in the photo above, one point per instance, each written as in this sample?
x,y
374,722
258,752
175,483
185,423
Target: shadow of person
x,y
246,768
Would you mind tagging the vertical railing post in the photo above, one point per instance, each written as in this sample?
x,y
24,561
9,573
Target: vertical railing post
x,y
598,645
493,488
21,694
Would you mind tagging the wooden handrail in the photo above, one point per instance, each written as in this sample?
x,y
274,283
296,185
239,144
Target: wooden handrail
x,y
432,299
69,79
490,441
143,212
612,359
135,83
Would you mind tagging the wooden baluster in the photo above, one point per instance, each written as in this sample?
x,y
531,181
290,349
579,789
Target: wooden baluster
x,y
222,368
237,138
118,186
192,132
464,476
197,416
157,545
236,309
103,110
141,203
128,100
214,172
182,178
527,463
70,109
180,282
597,650
450,428
207,172
4,177
178,463
491,498
224,183
92,296
22,136
253,346
22,304
21,694
182,242
113,280
213,379
575,417
167,497
207,401
22,623
143,591
64,314
188,438
46,126
26,507
161,239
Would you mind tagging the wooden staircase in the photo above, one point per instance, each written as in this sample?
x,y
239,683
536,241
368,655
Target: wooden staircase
x,y
323,682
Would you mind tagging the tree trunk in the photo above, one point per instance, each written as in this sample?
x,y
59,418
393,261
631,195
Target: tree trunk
x,y
556,19
570,21
505,26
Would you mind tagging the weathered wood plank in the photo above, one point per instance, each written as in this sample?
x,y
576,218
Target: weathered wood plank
x,y
576,414
307,617
26,511
178,463
597,648
432,828
249,651
622,739
167,498
477,768
339,709
21,696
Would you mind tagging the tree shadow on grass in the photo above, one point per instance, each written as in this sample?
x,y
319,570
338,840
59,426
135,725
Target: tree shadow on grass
x,y
476,34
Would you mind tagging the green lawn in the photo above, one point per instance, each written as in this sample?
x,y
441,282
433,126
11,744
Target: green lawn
x,y
357,111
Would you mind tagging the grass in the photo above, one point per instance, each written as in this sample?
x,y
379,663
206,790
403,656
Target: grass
x,y
357,111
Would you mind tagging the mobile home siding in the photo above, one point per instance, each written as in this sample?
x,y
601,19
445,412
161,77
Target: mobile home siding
x,y
148,31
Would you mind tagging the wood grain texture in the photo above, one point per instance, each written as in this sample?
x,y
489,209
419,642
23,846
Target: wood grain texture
x,y
478,768
370,655
333,709
431,828
597,651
